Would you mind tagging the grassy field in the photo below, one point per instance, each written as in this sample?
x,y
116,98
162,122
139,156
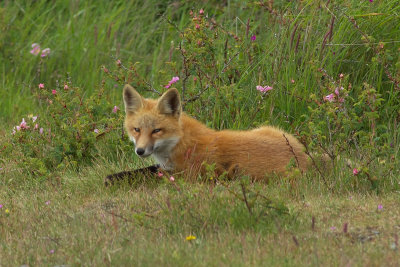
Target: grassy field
x,y
54,208
79,222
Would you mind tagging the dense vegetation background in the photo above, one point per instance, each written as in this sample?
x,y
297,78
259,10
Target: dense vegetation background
x,y
326,71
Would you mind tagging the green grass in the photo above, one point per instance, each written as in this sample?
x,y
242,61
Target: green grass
x,y
146,224
88,224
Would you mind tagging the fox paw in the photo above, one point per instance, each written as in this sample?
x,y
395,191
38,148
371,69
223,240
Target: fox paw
x,y
109,180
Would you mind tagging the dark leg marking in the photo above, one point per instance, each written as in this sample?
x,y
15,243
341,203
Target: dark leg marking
x,y
131,175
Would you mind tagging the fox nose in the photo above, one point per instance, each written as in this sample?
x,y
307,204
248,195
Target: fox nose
x,y
140,151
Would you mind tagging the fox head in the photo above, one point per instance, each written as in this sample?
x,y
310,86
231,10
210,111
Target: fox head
x,y
153,125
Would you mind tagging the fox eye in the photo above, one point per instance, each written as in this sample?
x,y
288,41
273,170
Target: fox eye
x,y
137,130
156,131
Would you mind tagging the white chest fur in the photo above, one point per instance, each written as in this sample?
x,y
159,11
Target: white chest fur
x,y
163,151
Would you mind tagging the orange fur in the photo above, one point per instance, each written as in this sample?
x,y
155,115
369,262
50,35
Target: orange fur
x,y
254,153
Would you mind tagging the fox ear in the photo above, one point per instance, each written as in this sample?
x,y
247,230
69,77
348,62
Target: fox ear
x,y
132,99
170,103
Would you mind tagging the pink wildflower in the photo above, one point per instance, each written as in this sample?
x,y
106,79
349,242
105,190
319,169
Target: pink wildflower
x,y
292,80
36,126
253,38
96,131
201,12
330,98
54,92
380,207
1,206
18,128
47,202
35,49
66,86
264,88
118,62
160,174
341,75
355,171
41,85
337,90
51,251
172,178
34,118
45,52
41,130
333,228
115,109
197,26
171,82
174,79
23,124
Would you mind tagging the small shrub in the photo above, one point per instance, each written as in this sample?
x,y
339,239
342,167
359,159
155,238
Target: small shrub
x,y
66,133
346,119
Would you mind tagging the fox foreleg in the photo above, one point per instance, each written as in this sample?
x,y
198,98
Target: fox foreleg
x,y
131,175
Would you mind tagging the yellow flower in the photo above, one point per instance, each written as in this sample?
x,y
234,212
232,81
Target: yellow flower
x,y
190,237
7,211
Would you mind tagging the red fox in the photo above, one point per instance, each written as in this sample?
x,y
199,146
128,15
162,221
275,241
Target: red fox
x,y
178,142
